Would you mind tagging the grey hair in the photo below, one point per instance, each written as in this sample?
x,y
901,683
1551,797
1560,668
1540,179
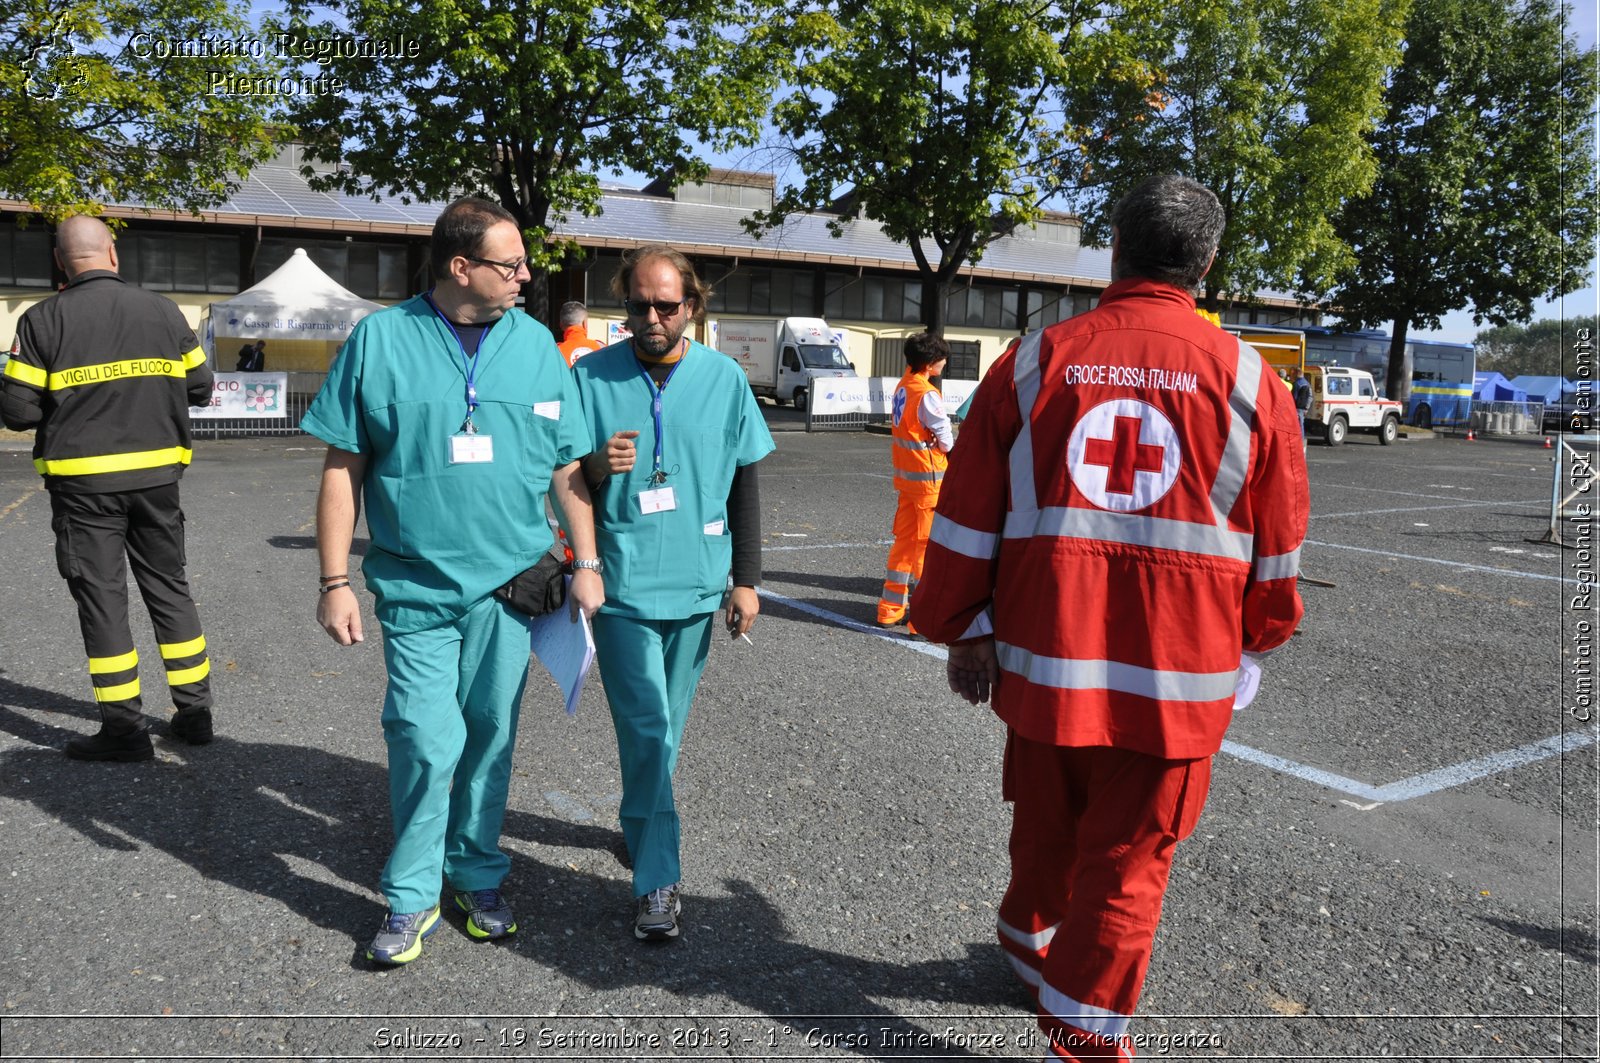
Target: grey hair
x,y
1168,228
572,313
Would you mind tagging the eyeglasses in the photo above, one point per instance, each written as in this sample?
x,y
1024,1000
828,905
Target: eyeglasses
x,y
641,307
511,268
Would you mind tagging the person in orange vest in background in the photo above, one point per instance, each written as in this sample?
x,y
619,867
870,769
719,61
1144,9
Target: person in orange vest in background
x,y
575,341
921,439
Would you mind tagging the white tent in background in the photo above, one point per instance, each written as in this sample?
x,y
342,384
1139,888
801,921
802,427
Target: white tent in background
x,y
296,302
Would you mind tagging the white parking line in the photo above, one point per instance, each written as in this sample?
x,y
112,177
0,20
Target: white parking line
x,y
1404,790
1441,561
1429,509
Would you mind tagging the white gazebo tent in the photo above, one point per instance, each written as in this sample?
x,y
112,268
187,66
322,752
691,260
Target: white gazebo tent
x,y
302,313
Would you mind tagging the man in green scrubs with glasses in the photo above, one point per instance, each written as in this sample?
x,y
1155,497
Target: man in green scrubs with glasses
x,y
451,415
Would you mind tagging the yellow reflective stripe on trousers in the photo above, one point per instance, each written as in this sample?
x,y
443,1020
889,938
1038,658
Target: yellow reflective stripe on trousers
x,y
108,371
27,374
173,650
143,459
120,692
120,663
178,677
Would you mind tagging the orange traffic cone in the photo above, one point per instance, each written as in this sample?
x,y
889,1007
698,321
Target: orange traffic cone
x,y
1471,435
1547,443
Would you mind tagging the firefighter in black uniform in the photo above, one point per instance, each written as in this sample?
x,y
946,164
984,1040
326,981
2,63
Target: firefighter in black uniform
x,y
105,373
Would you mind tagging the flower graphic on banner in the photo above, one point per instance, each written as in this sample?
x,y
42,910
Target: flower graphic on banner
x,y
261,398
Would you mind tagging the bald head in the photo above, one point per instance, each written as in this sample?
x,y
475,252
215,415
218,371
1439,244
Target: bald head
x,y
84,243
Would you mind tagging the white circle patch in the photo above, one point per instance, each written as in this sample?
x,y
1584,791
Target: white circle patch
x,y
1124,455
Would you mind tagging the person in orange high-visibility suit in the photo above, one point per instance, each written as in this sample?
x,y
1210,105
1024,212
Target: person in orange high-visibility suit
x,y
921,438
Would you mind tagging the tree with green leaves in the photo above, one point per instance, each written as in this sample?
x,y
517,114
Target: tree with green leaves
x,y
1539,349
526,101
945,120
92,111
1265,102
1486,189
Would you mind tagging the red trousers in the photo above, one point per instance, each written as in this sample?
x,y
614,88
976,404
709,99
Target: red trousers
x,y
913,520
1092,840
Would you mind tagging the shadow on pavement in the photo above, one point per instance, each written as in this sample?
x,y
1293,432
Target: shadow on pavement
x,y
247,814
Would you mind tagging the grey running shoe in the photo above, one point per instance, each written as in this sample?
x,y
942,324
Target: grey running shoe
x,y
488,914
657,918
400,938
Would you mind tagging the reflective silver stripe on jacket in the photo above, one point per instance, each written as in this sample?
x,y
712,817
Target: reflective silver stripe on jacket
x,y
1235,463
1134,529
1277,566
1065,674
912,444
968,542
922,476
1024,495
982,624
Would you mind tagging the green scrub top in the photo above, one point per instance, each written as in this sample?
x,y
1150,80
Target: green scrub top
x,y
445,535
672,564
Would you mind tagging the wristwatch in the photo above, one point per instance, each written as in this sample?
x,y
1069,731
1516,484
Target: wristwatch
x,y
590,563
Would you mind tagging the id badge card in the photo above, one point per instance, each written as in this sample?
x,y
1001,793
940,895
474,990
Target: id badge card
x,y
657,501
471,449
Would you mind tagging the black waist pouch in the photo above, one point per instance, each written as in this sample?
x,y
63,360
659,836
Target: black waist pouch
x,y
539,590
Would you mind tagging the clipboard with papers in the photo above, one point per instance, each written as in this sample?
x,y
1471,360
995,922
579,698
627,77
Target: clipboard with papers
x,y
566,649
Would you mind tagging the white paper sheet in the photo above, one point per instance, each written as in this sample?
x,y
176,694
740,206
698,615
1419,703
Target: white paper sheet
x,y
566,649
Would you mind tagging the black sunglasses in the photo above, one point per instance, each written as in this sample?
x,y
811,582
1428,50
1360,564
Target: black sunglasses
x,y
510,267
641,307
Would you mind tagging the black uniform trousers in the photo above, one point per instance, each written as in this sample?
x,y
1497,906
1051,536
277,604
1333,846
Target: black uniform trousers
x,y
97,537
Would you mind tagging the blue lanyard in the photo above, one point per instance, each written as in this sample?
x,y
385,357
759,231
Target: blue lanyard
x,y
656,475
469,365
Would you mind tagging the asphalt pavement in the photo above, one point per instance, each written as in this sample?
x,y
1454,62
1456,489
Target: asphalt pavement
x,y
1398,858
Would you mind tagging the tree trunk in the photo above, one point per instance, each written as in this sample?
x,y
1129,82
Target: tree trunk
x,y
934,310
1397,384
536,297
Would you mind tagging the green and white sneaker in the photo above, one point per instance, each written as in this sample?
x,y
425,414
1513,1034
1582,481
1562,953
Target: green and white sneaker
x,y
400,939
488,914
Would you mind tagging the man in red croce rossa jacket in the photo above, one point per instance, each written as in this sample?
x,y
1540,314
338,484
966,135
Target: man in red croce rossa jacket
x,y
1120,525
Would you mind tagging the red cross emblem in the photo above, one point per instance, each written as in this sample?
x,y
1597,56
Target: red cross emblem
x,y
1124,455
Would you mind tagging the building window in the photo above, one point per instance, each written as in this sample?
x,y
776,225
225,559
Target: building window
x,y
597,281
963,362
887,300
370,270
25,257
179,262
982,306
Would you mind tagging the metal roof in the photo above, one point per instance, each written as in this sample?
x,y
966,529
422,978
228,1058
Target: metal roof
x,y
276,195
630,217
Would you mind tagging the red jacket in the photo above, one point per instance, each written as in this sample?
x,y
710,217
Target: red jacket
x,y
1123,512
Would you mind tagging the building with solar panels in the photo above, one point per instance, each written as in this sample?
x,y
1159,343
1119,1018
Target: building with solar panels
x,y
864,284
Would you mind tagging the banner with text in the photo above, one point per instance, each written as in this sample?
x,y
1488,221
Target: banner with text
x,y
245,395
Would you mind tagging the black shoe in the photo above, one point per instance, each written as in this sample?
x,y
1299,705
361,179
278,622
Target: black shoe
x,y
193,726
134,745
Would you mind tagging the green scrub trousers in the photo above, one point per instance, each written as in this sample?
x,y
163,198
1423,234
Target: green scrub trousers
x,y
651,669
450,720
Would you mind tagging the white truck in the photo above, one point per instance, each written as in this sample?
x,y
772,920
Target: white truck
x,y
1345,399
783,358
